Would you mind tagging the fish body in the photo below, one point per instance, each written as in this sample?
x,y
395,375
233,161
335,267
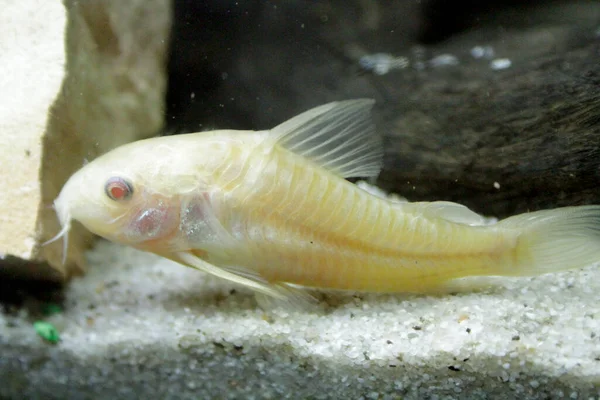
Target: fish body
x,y
272,210
290,221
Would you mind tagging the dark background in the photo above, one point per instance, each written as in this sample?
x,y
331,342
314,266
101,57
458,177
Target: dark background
x,y
452,132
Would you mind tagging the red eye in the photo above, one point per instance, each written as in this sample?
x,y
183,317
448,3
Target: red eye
x,y
118,189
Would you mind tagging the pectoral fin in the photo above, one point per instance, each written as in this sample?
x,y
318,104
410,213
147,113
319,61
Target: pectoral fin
x,y
268,294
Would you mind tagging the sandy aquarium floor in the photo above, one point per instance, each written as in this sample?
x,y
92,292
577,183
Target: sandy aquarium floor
x,y
138,325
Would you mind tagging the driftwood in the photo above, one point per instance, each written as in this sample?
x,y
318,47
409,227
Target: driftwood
x,y
499,140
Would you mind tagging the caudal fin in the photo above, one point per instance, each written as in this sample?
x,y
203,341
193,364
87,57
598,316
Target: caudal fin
x,y
555,240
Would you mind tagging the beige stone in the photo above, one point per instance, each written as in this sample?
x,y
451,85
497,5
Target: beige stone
x,y
76,79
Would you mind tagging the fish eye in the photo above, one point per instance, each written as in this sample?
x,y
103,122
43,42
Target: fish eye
x,y
118,189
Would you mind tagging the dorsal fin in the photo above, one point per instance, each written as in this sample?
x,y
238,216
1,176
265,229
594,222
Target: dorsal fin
x,y
338,136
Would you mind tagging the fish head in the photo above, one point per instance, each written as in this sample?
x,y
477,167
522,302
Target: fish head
x,y
98,197
127,196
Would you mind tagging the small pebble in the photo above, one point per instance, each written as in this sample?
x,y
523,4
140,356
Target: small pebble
x,y
500,63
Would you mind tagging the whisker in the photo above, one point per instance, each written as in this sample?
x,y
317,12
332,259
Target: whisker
x,y
63,231
64,234
65,245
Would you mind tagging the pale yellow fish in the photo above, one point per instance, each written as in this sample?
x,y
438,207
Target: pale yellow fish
x,y
271,210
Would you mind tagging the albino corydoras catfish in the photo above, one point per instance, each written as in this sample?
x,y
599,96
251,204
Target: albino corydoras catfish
x,y
272,210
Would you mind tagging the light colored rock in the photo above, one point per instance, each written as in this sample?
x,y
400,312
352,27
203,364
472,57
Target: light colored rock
x,y
31,72
59,108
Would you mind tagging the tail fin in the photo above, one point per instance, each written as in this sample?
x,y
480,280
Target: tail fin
x,y
555,240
